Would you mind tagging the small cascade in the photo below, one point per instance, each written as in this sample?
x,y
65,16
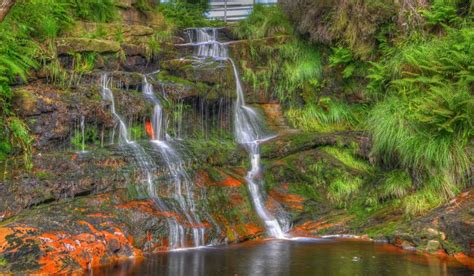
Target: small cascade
x,y
108,96
248,126
82,125
183,186
146,165
208,46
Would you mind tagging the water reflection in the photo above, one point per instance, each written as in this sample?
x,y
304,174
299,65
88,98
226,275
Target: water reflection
x,y
284,257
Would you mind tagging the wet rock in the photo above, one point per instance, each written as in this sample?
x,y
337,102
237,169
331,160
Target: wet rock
x,y
431,233
433,246
296,142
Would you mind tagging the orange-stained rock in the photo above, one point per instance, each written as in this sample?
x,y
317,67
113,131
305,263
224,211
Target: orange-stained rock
x,y
229,182
465,260
148,207
292,201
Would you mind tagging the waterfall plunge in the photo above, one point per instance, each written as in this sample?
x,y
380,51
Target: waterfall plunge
x,y
248,125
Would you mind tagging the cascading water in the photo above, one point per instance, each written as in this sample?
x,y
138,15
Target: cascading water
x,y
248,129
147,166
109,96
183,186
83,127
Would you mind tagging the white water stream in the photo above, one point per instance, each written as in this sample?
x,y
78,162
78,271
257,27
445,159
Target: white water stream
x,y
183,186
248,129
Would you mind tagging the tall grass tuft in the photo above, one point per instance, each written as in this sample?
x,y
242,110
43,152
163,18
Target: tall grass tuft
x,y
327,116
425,118
289,68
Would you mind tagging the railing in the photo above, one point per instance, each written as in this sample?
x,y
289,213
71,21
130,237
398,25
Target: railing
x,y
233,10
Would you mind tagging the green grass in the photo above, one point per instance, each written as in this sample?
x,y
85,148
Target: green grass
x,y
264,21
347,157
187,14
397,184
285,69
343,188
327,116
421,202
27,41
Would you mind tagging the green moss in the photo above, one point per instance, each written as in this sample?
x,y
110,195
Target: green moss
x,y
328,115
347,157
44,175
384,229
397,184
3,262
421,202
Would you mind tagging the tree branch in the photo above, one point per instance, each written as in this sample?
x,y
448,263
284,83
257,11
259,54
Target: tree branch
x,y
5,6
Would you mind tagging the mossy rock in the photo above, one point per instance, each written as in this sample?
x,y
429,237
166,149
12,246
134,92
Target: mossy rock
x,y
81,45
25,101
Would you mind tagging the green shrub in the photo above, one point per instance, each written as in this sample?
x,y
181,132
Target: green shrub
x,y
289,69
421,202
186,14
348,158
264,21
26,40
94,10
327,116
397,184
425,120
343,188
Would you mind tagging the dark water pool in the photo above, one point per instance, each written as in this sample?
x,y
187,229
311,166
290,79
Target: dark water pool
x,y
281,257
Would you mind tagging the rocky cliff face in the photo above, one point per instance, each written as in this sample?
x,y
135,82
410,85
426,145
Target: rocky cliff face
x,y
76,210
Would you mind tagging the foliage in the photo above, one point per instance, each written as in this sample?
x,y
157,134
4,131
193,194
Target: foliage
x,y
186,14
342,188
442,12
343,57
292,66
420,202
425,120
396,184
27,39
347,157
349,23
327,116
264,21
94,10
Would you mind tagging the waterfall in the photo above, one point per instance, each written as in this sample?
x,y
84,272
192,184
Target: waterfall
x,y
248,130
183,186
146,165
83,142
109,96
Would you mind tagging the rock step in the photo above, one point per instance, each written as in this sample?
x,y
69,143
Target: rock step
x,y
274,116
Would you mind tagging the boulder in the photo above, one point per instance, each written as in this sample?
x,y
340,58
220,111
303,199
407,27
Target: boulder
x,y
433,246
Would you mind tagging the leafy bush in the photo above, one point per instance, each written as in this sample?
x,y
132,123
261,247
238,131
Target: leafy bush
x,y
26,37
264,21
425,120
94,10
291,66
397,184
442,12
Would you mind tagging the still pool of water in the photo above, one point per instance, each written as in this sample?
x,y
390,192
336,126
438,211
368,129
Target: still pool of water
x,y
290,257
